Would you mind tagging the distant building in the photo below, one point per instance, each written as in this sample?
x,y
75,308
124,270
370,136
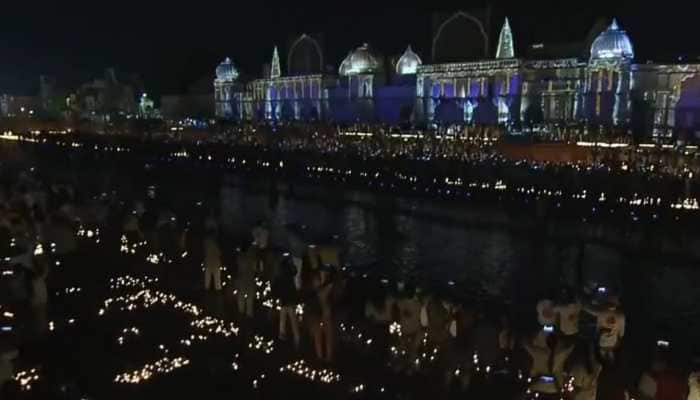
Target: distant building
x,y
103,99
473,81
147,109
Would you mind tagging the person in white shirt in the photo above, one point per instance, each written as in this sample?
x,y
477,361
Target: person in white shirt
x,y
547,318
610,323
547,358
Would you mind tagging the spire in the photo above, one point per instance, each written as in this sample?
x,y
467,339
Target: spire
x,y
505,42
275,67
614,26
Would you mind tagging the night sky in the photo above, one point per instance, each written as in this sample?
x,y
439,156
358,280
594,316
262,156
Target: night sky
x,y
170,45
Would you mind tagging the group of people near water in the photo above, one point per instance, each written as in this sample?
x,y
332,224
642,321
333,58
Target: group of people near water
x,y
572,347
317,298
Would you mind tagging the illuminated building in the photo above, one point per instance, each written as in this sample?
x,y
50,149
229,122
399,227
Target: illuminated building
x,y
228,91
408,63
147,107
595,82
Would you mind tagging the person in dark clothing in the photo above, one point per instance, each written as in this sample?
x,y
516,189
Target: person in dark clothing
x,y
286,289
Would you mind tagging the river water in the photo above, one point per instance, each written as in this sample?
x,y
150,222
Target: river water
x,y
482,252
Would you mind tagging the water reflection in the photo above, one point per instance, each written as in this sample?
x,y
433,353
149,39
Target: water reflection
x,y
386,234
486,253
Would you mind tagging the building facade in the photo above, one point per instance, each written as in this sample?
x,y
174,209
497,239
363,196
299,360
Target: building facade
x,y
599,85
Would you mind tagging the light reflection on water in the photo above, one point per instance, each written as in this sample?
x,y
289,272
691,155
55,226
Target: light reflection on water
x,y
433,242
387,235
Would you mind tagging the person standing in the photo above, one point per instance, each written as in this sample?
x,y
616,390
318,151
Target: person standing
x,y
297,246
437,319
610,322
39,298
584,368
409,307
261,237
321,314
286,289
212,262
245,281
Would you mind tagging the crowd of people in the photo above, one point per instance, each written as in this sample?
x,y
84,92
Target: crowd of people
x,y
571,344
458,143
558,354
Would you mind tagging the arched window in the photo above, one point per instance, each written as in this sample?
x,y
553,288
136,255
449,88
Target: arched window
x,y
305,57
461,37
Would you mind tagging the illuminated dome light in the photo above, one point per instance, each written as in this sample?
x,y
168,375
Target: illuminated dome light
x,y
408,63
612,44
359,61
226,71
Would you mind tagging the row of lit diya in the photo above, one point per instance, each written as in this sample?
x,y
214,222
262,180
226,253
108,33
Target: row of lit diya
x,y
498,185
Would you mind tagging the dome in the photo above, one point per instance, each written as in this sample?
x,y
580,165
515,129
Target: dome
x,y
408,63
360,61
226,71
612,43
